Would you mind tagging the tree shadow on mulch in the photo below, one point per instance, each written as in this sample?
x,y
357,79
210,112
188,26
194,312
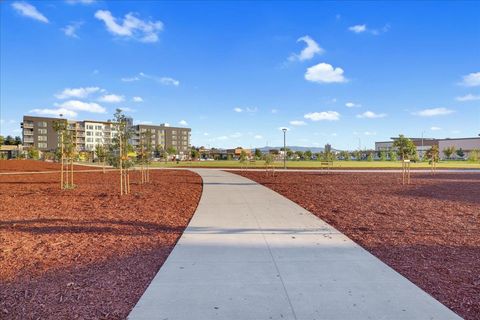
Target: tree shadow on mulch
x,y
114,227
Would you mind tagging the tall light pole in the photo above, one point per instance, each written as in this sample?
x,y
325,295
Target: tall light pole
x,y
284,148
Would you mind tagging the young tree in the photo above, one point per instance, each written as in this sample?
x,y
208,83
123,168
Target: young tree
x,y
433,155
345,155
194,153
101,153
383,155
18,141
2,140
120,149
258,154
358,155
460,153
308,155
405,147
33,153
474,155
300,154
144,155
269,164
448,151
289,153
370,156
172,151
67,152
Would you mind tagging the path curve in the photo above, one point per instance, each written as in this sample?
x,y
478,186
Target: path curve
x,y
250,253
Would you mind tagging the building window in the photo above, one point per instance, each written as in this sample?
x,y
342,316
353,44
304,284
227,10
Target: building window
x,y
42,124
98,134
98,140
89,133
98,127
90,127
42,131
42,138
42,145
89,139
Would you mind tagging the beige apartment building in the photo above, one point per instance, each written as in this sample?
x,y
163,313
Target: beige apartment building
x,y
39,132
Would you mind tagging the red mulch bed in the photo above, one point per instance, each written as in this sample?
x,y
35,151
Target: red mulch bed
x,y
34,166
87,253
428,231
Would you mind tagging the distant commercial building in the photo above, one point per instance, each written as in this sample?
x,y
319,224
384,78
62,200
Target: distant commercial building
x,y
39,132
424,144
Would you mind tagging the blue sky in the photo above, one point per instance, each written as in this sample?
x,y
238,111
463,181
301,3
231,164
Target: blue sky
x,y
345,73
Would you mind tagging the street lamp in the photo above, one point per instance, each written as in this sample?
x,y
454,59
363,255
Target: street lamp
x,y
284,148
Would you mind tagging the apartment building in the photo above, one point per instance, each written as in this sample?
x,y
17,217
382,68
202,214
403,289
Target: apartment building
x,y
39,132
164,136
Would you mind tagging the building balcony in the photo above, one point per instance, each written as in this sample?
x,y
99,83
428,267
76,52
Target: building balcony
x,y
27,125
28,140
28,132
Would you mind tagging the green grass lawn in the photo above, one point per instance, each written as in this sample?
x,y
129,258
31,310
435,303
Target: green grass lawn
x,y
317,164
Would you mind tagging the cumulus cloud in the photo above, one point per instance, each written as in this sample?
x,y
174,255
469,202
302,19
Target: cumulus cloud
x,y
369,133
238,110
323,116
309,51
71,29
78,105
471,80
183,123
468,97
352,105
55,112
247,109
257,136
371,115
80,1
167,81
298,123
435,128
325,73
27,10
433,112
77,92
131,26
137,99
112,98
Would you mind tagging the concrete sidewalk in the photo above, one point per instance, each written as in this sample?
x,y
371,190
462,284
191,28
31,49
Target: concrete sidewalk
x,y
249,253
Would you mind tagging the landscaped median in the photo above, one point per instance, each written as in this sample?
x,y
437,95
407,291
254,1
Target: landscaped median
x,y
86,253
428,231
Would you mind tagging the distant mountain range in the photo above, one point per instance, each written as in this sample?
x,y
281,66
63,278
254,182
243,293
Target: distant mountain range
x,y
295,148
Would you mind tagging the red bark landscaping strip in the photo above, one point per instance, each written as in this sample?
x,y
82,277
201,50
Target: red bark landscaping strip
x,y
34,166
87,253
428,231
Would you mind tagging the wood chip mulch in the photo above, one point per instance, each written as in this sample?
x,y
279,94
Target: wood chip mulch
x,y
428,231
86,253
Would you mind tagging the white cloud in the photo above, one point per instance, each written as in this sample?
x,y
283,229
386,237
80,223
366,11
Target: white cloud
x,y
112,98
131,26
206,134
221,138
236,135
324,115
370,133
433,112
247,109
309,51
126,79
71,29
27,10
257,136
274,111
471,80
137,99
183,123
435,128
298,123
82,106
468,97
352,105
169,81
325,73
77,92
359,28
127,109
80,1
238,110
371,115
55,112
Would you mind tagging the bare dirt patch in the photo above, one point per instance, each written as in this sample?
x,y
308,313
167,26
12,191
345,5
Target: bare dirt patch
x,y
87,253
428,231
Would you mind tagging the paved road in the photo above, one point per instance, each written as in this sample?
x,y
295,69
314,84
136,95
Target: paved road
x,y
249,253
